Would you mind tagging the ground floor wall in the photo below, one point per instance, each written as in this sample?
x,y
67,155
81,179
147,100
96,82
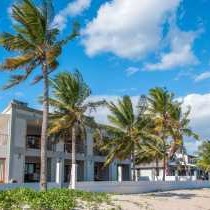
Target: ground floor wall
x,y
27,169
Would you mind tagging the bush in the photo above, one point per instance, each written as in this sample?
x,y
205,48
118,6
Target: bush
x,y
55,199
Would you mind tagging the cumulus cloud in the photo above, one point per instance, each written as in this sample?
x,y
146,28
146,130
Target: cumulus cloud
x,y
131,70
202,76
200,112
181,53
73,9
128,28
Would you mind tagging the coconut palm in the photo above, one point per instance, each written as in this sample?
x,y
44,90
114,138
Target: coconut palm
x,y
179,127
70,107
34,44
204,156
160,106
122,138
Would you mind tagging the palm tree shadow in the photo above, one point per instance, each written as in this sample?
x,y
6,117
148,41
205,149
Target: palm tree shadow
x,y
178,195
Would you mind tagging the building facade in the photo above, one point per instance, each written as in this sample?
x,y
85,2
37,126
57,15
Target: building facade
x,y
20,134
181,165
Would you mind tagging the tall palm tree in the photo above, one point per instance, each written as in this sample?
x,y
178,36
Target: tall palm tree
x,y
179,127
122,138
160,106
204,156
70,105
35,44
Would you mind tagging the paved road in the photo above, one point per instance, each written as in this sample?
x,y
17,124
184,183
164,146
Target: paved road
x,y
172,200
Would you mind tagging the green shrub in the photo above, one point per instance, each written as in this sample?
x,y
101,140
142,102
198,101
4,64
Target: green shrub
x,y
55,199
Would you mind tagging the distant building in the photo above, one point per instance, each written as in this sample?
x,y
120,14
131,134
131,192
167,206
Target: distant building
x,y
181,167
20,134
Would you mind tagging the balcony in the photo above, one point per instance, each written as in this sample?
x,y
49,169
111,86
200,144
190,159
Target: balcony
x,y
80,148
98,152
34,142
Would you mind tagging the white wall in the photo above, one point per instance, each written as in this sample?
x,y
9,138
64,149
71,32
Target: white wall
x,y
120,187
139,187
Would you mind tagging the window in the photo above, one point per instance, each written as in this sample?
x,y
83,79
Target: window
x,y
33,142
32,172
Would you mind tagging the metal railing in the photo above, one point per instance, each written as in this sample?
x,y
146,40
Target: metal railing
x,y
80,148
34,142
3,139
98,152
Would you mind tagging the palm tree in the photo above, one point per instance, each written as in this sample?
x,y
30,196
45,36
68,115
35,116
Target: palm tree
x,y
122,138
204,156
70,105
151,150
160,106
179,127
35,44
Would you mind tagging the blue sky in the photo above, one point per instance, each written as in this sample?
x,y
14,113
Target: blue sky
x,y
130,46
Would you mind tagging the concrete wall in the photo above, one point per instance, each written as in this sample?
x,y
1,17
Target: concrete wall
x,y
120,187
139,187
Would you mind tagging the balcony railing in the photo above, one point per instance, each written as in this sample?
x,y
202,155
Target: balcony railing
x,y
34,142
98,152
3,139
80,148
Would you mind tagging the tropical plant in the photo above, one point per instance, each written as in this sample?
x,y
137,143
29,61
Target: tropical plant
x,y
122,138
204,156
179,128
160,107
34,43
70,106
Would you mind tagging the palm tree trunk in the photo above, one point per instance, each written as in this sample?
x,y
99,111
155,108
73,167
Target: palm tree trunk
x,y
134,165
43,175
74,167
164,167
157,167
164,157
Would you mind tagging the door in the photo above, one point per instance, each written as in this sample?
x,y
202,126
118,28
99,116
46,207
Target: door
x,y
2,170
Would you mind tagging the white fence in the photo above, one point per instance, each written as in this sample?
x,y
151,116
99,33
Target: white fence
x,y
140,187
121,187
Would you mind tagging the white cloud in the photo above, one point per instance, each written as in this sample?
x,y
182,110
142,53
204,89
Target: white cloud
x,y
202,76
73,9
181,53
128,28
200,112
131,70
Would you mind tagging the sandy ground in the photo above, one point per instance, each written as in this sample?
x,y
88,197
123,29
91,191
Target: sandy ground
x,y
172,200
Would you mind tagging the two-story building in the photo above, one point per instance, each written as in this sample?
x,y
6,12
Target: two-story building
x,y
20,134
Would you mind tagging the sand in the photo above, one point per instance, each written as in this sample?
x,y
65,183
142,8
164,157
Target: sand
x,y
172,200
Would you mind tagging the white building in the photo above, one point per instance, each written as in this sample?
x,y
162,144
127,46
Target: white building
x,y
181,167
20,132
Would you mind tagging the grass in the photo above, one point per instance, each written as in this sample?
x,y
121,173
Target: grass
x,y
55,199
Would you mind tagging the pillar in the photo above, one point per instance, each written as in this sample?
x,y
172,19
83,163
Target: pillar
x,y
60,172
120,172
176,175
113,171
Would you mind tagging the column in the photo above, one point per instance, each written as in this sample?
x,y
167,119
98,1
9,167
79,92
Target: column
x,y
60,172
89,162
89,165
176,175
120,172
113,171
17,164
